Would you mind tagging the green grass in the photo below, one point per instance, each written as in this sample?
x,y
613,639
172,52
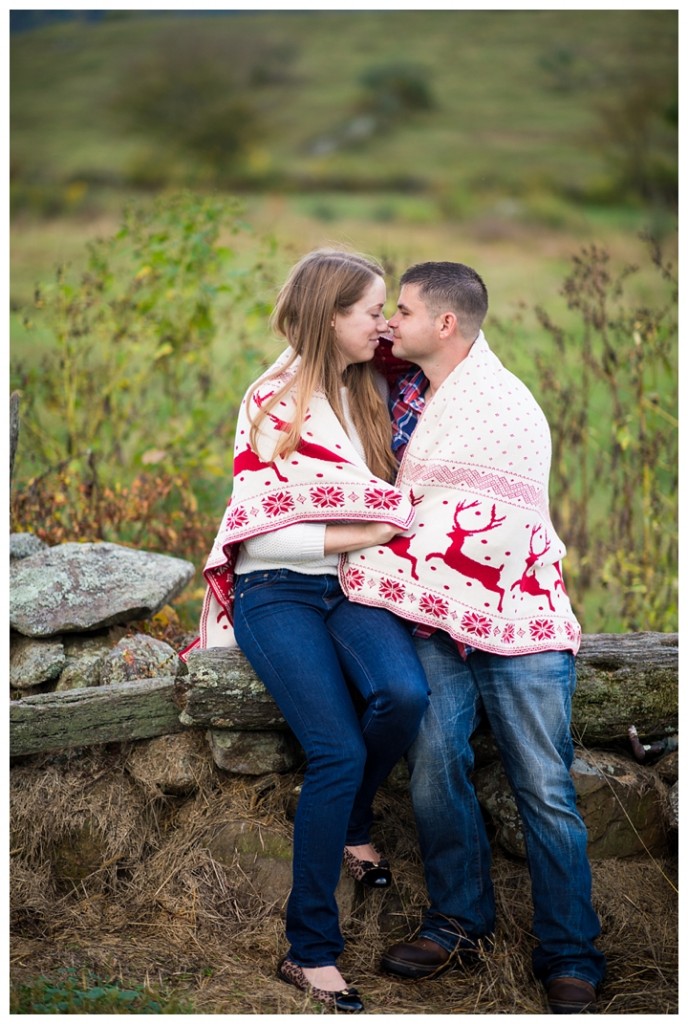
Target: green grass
x,y
82,992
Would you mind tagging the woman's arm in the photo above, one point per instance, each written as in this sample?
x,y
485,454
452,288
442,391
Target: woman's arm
x,y
304,542
341,537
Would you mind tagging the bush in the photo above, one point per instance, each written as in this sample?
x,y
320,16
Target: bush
x,y
609,388
393,90
636,133
198,95
127,420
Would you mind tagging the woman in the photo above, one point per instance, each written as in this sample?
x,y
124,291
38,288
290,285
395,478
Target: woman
x,y
312,467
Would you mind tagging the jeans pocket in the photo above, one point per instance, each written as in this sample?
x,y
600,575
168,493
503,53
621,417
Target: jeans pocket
x,y
251,582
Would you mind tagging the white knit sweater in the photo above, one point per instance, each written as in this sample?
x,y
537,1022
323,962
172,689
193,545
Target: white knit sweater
x,y
300,547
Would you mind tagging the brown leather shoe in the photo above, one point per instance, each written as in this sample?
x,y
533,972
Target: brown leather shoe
x,y
419,959
571,995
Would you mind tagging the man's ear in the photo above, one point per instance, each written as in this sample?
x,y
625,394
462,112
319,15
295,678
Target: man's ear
x,y
448,324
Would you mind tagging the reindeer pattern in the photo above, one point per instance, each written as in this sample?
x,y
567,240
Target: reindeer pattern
x,y
457,558
246,460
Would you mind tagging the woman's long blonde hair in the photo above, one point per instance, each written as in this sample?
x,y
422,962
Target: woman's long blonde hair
x,y
326,282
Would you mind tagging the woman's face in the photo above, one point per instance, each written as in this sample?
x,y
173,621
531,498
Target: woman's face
x,y
357,330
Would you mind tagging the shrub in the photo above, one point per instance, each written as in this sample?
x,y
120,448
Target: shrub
x,y
127,420
198,94
393,90
608,385
636,133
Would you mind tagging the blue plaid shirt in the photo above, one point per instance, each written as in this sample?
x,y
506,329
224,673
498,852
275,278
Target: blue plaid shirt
x,y
406,403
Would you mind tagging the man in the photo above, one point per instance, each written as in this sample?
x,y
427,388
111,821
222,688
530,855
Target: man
x,y
479,573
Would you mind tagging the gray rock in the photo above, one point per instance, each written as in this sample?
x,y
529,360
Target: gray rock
x,y
624,679
138,657
23,545
623,805
223,692
33,662
81,587
84,657
253,753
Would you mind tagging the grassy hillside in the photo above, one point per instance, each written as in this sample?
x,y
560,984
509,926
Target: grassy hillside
x,y
534,122
517,98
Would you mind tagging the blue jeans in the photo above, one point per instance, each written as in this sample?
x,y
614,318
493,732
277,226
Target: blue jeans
x,y
350,686
526,700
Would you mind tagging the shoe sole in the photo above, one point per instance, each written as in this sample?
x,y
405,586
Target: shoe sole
x,y
402,969
568,1007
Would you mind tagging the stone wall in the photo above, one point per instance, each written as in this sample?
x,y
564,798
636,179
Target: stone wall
x,y
80,676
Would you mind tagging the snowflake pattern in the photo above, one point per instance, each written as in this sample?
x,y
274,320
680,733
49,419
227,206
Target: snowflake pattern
x,y
236,517
571,632
476,624
379,497
327,496
393,590
432,605
542,629
354,579
277,503
508,633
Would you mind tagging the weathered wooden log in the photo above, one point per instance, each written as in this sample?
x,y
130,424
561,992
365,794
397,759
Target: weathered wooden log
x,y
134,710
623,679
222,691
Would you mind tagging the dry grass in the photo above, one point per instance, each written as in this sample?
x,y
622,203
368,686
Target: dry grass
x,y
157,907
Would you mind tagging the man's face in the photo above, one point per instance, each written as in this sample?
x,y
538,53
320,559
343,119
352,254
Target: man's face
x,y
415,331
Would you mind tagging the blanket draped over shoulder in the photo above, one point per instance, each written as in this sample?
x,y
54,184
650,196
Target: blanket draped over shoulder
x,y
324,480
482,560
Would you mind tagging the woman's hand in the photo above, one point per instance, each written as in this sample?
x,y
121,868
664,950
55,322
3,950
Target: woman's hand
x,y
341,537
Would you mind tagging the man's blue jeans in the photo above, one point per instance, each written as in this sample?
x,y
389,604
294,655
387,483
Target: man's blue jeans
x,y
349,684
527,702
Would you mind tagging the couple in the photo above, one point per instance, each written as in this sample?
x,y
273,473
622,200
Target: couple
x,y
388,608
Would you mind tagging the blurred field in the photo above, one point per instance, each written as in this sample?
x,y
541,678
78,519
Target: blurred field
x,y
516,96
510,167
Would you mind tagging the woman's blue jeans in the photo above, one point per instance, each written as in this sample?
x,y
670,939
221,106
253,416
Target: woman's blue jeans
x,y
349,683
527,701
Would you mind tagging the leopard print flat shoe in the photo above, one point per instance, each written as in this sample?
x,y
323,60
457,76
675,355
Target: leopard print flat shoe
x,y
346,1000
373,874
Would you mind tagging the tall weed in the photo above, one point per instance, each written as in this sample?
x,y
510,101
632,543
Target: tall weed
x,y
127,420
138,342
608,384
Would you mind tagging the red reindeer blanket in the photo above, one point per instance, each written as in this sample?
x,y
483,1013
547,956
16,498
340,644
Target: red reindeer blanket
x,y
325,480
483,560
